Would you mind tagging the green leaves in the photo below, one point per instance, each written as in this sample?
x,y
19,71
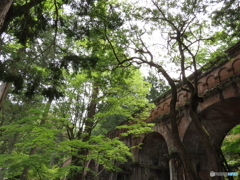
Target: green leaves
x,y
231,143
137,129
231,147
107,150
227,16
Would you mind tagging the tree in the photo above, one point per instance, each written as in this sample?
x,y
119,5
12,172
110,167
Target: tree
x,y
79,77
16,33
81,62
181,28
72,118
21,134
93,96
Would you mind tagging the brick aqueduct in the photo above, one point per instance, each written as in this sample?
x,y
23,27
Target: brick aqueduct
x,y
220,112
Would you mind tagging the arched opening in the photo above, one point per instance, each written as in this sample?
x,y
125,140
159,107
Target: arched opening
x,y
218,119
152,162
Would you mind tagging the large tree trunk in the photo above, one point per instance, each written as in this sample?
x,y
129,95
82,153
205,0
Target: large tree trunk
x,y
4,7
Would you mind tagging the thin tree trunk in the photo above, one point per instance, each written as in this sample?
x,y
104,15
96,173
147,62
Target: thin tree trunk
x,y
54,159
24,175
185,158
4,8
3,92
210,150
80,159
193,103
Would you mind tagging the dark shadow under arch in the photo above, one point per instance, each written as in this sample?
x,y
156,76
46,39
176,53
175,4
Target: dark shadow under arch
x,y
152,161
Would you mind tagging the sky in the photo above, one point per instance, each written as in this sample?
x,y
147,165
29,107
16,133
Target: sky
x,y
157,41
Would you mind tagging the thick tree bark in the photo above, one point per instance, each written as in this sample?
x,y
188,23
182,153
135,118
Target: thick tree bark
x,y
4,8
